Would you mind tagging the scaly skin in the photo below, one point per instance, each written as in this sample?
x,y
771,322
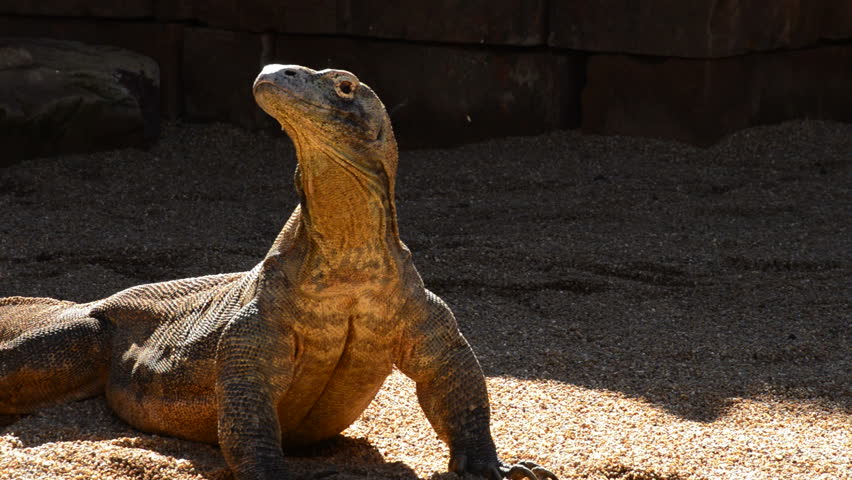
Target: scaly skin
x,y
291,352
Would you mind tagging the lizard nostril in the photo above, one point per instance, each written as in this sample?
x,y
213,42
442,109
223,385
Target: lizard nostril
x,y
290,73
345,87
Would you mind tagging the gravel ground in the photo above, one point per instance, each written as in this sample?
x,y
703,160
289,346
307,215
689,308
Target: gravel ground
x,y
644,310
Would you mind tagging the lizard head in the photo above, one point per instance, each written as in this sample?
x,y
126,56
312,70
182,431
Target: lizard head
x,y
331,111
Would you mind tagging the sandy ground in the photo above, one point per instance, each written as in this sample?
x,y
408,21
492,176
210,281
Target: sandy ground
x,y
644,310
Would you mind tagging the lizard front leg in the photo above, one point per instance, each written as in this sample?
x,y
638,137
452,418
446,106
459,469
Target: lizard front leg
x,y
451,390
254,361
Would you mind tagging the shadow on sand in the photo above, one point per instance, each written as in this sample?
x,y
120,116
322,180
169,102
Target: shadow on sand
x,y
92,421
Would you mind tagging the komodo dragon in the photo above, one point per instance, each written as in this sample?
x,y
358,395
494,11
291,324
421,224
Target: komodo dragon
x,y
291,352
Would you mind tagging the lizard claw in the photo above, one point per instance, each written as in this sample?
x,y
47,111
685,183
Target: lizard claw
x,y
460,465
519,471
540,472
528,470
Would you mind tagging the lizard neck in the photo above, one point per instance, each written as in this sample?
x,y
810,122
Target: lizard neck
x,y
344,209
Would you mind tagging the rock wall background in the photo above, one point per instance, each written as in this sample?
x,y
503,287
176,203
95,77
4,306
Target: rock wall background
x,y
460,70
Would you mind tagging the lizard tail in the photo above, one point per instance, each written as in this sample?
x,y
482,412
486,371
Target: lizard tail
x,y
51,351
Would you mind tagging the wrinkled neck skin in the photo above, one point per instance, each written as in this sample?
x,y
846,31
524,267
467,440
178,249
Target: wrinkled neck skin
x,y
345,224
342,207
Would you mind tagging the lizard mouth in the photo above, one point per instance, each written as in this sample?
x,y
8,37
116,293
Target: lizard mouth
x,y
267,92
266,83
269,88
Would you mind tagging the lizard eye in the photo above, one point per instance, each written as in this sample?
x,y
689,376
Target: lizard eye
x,y
345,88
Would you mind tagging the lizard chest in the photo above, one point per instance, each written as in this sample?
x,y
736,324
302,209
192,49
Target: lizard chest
x,y
344,353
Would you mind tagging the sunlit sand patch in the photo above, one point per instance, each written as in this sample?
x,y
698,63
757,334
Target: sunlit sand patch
x,y
583,433
574,431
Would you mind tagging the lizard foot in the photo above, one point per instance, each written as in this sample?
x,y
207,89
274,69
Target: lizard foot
x,y
499,471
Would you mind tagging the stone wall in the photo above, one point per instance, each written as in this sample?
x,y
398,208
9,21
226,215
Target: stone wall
x,y
458,70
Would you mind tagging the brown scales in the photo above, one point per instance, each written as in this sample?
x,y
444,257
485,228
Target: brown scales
x,y
292,351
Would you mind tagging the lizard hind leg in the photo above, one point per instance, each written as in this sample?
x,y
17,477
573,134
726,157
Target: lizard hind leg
x,y
51,352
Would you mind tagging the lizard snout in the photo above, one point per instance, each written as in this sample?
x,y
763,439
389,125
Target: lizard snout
x,y
285,76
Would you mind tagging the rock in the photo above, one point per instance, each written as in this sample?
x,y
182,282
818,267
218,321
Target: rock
x,y
837,20
513,22
160,41
698,101
61,96
259,16
698,28
436,94
80,8
15,57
